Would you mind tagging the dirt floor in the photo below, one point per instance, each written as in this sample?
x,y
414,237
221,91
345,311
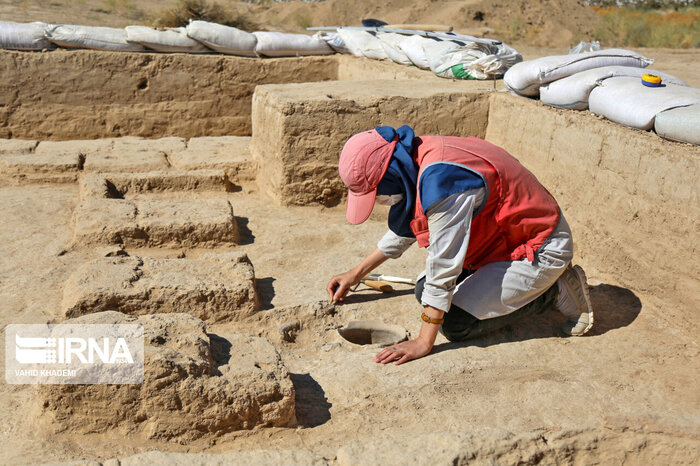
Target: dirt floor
x,y
625,393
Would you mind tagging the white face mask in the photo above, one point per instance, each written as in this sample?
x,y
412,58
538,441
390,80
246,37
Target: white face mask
x,y
388,199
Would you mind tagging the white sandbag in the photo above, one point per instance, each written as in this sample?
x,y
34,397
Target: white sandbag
x,y
362,43
390,43
224,39
24,36
436,50
573,91
628,102
476,61
412,46
526,78
679,124
334,42
280,44
584,46
91,37
164,40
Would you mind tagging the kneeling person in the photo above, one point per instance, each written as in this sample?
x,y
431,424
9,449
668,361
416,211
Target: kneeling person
x,y
499,248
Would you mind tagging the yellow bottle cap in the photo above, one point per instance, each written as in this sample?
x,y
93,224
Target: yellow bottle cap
x,y
651,80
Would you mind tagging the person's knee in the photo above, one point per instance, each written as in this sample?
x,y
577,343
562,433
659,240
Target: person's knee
x,y
452,334
419,289
458,324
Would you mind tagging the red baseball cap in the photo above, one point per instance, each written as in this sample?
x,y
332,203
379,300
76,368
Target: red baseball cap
x,y
363,162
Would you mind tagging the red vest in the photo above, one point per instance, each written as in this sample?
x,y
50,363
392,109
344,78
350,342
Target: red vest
x,y
519,214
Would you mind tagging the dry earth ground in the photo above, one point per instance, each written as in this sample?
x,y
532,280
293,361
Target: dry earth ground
x,y
627,392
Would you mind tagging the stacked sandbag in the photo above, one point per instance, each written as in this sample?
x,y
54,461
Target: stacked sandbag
x,y
280,44
679,124
573,91
525,78
474,60
164,40
362,43
334,42
414,48
24,36
390,43
224,39
627,101
91,37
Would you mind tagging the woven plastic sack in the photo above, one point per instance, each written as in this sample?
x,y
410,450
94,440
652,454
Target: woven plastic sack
x,y
164,40
362,43
628,102
413,47
334,41
679,124
390,43
476,60
280,44
91,37
24,36
224,39
573,91
584,46
525,78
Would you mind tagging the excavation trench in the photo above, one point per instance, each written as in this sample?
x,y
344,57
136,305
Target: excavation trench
x,y
627,195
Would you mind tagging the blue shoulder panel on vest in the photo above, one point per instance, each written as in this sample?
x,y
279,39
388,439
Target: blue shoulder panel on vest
x,y
441,180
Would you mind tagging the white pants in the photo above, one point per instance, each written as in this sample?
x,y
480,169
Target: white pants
x,y
500,288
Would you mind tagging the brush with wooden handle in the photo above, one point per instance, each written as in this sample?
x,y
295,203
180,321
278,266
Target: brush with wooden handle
x,y
377,285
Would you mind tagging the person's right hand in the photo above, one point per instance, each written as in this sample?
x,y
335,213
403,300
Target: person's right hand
x,y
339,285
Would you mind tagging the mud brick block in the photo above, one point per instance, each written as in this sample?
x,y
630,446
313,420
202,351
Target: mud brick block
x,y
196,385
118,185
126,161
54,168
216,287
150,223
300,129
17,146
228,153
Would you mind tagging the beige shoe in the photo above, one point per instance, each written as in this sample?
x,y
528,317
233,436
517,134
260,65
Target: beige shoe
x,y
574,301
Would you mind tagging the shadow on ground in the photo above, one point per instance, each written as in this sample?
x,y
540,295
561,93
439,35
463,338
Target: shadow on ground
x,y
246,236
312,406
613,306
367,295
266,292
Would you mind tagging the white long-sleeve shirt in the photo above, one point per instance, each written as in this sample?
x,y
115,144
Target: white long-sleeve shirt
x,y
449,222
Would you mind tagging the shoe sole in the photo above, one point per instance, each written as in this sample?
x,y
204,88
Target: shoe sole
x,y
584,285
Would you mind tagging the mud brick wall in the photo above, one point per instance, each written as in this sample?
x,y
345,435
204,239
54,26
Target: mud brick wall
x,y
85,94
300,129
611,179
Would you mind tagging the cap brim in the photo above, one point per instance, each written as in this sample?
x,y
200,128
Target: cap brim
x,y
360,206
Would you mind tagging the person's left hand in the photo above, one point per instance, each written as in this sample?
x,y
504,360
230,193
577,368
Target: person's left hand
x,y
404,352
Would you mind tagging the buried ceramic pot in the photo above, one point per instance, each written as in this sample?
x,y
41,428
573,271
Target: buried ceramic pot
x,y
373,332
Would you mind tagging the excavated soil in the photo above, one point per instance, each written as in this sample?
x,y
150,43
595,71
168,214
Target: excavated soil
x,y
627,392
